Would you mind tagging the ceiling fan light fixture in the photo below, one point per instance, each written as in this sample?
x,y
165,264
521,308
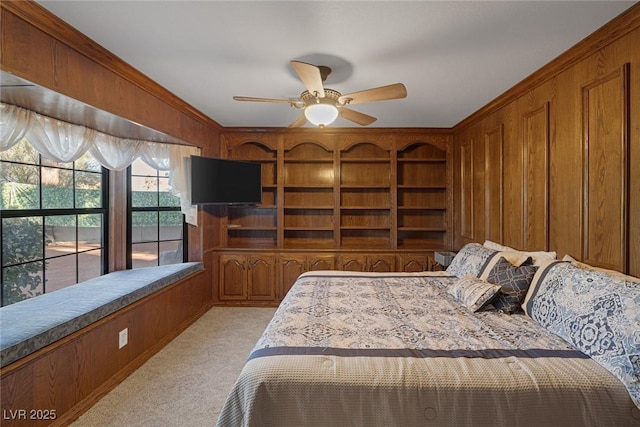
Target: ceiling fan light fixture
x,y
321,114
322,105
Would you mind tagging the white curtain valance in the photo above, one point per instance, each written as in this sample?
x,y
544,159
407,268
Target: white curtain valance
x,y
66,142
114,153
14,123
155,155
57,140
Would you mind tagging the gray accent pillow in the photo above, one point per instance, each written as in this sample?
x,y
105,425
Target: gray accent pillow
x,y
514,283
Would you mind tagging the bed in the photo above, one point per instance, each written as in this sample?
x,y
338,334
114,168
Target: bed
x,y
405,349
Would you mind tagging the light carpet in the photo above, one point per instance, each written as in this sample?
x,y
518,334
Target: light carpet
x,y
187,382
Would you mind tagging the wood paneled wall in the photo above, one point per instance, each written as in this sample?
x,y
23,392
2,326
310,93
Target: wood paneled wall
x,y
71,374
554,163
67,377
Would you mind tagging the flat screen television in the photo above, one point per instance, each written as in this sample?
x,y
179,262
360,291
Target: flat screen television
x,y
223,181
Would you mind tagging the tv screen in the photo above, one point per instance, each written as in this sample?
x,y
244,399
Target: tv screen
x,y
222,181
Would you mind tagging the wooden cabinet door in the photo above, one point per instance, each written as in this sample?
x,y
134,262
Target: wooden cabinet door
x,y
416,263
382,263
291,266
353,263
321,262
261,278
232,285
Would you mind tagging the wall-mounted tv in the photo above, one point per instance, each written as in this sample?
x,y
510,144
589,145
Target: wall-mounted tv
x,y
223,181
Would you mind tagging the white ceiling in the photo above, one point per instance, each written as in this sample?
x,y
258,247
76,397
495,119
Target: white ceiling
x,y
454,57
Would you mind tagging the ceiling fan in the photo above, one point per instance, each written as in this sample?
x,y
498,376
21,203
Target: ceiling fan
x,y
322,105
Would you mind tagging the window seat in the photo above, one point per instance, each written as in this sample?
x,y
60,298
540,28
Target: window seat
x,y
32,324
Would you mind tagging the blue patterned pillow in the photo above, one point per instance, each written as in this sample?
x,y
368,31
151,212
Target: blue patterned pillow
x,y
470,260
514,283
596,312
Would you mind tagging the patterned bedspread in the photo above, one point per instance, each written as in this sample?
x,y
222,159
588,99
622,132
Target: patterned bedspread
x,y
396,349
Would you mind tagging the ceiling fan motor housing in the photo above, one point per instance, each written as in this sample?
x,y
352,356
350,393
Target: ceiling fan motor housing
x,y
330,97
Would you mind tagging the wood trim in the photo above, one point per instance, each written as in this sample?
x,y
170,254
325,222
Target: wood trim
x,y
325,141
233,140
443,142
350,140
529,146
450,202
337,196
605,231
490,160
118,220
466,186
45,21
393,214
623,24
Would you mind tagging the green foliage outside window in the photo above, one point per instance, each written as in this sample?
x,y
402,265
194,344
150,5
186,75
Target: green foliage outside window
x,y
22,242
22,196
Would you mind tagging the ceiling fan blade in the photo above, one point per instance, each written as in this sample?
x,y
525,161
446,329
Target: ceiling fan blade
x,y
248,98
310,76
393,91
356,116
299,122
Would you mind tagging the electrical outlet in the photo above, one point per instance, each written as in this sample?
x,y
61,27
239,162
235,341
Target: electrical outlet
x,y
123,337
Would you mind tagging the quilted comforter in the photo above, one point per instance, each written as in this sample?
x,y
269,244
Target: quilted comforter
x,y
395,349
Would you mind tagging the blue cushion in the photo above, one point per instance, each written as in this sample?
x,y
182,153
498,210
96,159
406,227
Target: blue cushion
x,y
29,325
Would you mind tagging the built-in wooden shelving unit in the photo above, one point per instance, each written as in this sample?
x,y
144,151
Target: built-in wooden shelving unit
x,y
377,202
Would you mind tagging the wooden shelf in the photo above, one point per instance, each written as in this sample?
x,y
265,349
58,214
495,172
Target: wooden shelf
x,y
366,208
407,160
247,207
255,160
365,160
308,160
421,229
425,187
333,192
287,186
365,187
363,227
308,207
421,208
234,227
309,228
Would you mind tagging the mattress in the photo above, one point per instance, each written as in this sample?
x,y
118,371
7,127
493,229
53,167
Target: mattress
x,y
395,349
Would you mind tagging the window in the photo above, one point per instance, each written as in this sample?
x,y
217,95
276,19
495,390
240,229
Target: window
x,y
54,222
156,229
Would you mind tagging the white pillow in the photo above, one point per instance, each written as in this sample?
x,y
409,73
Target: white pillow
x,y
495,246
537,256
